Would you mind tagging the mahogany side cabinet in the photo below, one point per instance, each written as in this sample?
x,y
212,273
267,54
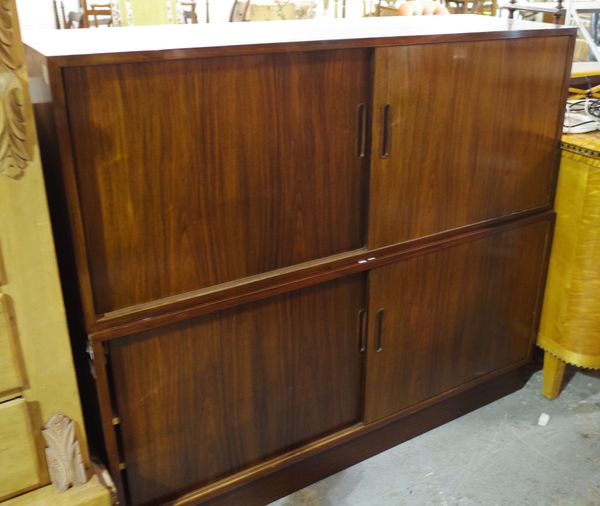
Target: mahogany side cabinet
x,y
290,246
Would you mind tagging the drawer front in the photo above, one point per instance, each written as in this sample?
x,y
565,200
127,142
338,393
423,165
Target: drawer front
x,y
18,456
10,378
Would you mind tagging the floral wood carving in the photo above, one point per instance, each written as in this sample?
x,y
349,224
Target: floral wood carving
x,y
15,142
11,50
14,145
63,453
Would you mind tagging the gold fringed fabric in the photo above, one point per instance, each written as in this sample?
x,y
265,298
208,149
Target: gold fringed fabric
x,y
570,324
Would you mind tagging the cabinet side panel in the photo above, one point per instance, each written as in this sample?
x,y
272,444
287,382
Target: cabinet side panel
x,y
454,315
472,134
205,398
197,172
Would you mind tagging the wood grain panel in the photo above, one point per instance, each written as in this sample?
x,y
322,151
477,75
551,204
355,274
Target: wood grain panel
x,y
473,133
201,399
10,377
367,441
18,455
453,315
197,172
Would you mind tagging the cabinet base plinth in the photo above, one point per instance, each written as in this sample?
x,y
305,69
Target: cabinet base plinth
x,y
267,488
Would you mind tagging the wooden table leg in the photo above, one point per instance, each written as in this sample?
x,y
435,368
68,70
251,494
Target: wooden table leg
x,y
554,370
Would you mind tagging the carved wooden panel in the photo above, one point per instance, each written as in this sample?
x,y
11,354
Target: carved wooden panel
x,y
10,378
39,367
11,49
15,141
19,464
63,453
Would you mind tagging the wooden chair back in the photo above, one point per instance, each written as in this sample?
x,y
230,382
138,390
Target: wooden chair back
x,y
99,14
189,12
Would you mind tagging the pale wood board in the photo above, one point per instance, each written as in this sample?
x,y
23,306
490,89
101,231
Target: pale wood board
x,y
90,494
10,378
18,456
30,280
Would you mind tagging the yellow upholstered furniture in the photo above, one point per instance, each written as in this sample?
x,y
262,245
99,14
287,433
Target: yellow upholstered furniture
x,y
570,325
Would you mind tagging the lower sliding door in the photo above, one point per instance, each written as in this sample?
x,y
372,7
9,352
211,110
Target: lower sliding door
x,y
200,399
447,317
205,398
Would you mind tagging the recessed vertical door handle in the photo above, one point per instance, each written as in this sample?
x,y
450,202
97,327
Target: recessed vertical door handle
x,y
361,130
379,321
362,330
386,131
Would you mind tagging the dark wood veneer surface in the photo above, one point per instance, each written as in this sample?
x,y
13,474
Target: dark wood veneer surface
x,y
472,133
204,398
374,439
218,214
184,306
194,173
453,315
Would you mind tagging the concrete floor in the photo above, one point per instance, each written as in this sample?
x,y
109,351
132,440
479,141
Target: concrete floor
x,y
497,455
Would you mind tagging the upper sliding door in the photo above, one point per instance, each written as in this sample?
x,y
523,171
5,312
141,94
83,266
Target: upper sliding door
x,y
463,133
197,172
